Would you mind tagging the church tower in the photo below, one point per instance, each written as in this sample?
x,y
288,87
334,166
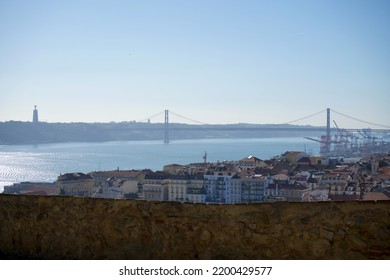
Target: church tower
x,y
35,114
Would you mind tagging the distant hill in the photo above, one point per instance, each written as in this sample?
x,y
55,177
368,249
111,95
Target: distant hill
x,y
17,133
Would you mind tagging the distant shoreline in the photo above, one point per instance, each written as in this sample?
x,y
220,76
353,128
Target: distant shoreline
x,y
22,133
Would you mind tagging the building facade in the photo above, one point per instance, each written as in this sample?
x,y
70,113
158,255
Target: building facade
x,y
222,188
253,188
74,184
118,183
155,186
186,188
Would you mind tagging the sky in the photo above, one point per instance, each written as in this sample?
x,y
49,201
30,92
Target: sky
x,y
208,60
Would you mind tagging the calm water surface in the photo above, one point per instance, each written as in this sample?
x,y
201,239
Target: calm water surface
x,y
46,162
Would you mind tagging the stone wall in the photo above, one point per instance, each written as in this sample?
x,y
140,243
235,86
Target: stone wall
x,y
39,227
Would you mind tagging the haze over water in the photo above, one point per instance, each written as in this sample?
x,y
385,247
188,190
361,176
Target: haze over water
x,y
46,162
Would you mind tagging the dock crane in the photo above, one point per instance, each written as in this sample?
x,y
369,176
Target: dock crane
x,y
345,138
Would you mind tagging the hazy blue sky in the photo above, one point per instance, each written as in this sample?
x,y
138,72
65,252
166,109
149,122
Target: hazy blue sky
x,y
212,61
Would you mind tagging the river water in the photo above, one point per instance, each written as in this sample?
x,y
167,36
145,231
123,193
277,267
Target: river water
x,y
44,163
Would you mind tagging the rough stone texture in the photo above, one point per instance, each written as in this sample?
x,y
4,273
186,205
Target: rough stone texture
x,y
39,227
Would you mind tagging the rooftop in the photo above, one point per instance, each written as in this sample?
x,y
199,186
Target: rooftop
x,y
74,176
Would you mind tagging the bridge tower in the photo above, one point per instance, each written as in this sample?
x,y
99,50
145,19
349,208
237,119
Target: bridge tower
x,y
166,127
326,140
328,137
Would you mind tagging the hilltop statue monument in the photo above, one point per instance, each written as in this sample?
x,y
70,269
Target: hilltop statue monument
x,y
35,114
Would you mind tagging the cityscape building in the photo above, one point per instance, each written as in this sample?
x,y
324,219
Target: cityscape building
x,y
74,184
250,180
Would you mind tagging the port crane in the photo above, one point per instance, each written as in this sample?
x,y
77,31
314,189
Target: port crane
x,y
346,141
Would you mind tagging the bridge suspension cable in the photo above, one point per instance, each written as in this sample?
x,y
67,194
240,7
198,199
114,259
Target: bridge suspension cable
x,y
151,117
306,117
359,120
188,119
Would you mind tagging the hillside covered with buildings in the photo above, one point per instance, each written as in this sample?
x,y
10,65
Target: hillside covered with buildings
x,y
292,176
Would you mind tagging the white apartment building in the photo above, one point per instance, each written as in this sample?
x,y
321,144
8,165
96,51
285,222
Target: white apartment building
x,y
222,187
155,186
186,188
253,188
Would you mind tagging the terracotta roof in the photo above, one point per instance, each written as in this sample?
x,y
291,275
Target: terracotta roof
x,y
304,167
304,160
246,174
376,196
74,176
280,166
292,153
262,170
250,158
121,173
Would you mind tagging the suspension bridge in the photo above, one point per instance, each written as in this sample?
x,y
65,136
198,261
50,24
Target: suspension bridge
x,y
334,141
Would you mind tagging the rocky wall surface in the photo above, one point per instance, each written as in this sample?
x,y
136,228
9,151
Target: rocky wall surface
x,y
41,227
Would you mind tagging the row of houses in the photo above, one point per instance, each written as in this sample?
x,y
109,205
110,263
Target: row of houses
x,y
293,176
215,187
